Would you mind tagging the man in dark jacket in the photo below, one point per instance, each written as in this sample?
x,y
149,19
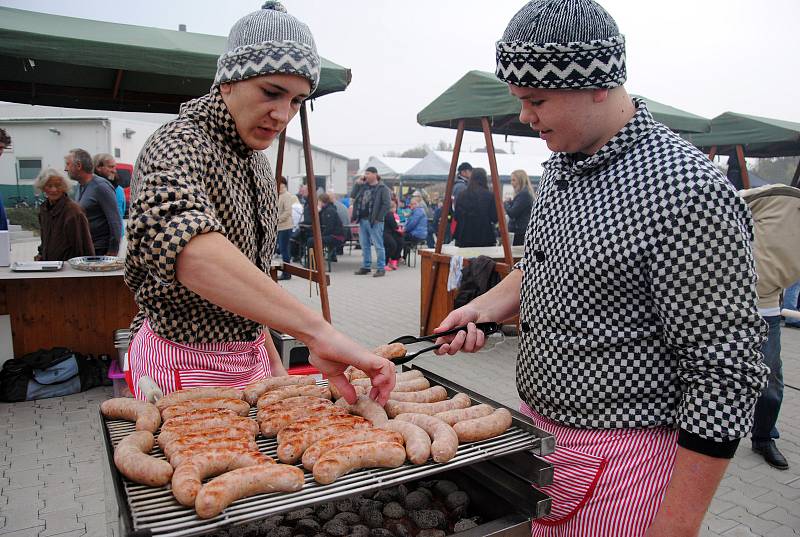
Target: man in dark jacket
x,y
371,200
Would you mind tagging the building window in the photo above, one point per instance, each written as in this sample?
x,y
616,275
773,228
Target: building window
x,y
117,152
28,168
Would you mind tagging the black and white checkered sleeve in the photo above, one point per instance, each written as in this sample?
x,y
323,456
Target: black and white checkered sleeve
x,y
169,210
703,283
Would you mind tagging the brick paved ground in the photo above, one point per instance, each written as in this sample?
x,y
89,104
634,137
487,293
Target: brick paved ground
x,y
50,450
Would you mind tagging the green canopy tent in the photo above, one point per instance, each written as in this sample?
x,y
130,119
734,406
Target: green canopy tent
x,y
750,136
77,63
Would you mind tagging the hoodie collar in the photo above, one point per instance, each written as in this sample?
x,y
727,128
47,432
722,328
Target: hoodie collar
x,y
211,112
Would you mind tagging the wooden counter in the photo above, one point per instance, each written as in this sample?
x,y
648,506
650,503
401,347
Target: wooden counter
x,y
442,302
69,308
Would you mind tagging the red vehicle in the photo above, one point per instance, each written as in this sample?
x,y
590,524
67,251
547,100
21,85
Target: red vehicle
x,y
124,174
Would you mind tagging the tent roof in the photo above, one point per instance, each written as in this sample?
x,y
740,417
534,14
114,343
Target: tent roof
x,y
67,61
436,165
760,136
479,94
390,167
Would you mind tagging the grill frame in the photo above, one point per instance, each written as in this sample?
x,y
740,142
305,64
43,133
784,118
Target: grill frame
x,y
144,511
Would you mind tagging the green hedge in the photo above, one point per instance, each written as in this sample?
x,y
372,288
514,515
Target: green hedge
x,y
27,217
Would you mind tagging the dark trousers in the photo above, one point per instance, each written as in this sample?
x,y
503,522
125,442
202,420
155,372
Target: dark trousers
x,y
328,242
769,402
284,237
393,246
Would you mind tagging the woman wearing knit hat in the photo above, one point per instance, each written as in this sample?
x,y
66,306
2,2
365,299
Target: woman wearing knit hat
x,y
640,336
203,225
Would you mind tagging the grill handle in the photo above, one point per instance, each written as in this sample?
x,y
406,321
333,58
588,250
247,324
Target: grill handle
x,y
150,389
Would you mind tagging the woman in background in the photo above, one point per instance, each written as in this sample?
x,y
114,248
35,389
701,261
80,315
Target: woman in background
x,y
64,227
519,208
392,238
476,213
285,223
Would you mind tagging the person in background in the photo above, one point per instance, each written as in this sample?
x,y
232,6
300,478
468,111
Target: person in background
x,y
63,224
791,301
370,204
476,213
330,225
97,198
5,141
286,201
106,167
519,208
392,237
416,228
344,216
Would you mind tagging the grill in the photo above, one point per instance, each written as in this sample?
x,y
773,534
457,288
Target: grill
x,y
138,510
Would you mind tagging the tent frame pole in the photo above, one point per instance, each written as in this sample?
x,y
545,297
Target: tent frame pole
x,y
743,166
279,163
498,200
443,223
712,153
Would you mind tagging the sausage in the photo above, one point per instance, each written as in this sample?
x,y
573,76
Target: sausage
x,y
390,351
360,390
291,402
179,396
394,408
256,389
431,395
484,427
180,428
171,445
189,475
451,417
132,459
412,385
285,392
338,461
221,491
445,440
292,447
165,438
199,414
353,373
237,405
145,414
417,441
367,408
331,441
405,376
318,421
208,451
213,443
275,421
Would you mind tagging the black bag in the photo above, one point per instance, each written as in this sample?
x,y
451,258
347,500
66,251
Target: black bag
x,y
477,278
18,372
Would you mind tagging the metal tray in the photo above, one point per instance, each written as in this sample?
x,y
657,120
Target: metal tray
x,y
36,266
97,263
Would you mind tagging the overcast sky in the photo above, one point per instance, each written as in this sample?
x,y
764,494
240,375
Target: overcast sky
x,y
703,56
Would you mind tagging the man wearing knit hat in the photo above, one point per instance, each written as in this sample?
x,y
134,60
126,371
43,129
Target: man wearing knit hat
x,y
203,226
640,335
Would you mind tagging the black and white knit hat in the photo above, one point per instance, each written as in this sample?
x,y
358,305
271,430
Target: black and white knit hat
x,y
562,44
269,41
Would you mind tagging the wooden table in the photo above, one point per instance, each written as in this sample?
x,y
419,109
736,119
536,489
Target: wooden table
x,y
69,308
442,302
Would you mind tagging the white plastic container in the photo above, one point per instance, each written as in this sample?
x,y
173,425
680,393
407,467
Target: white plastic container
x,y
5,248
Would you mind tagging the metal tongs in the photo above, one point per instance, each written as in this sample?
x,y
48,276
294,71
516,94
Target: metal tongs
x,y
486,328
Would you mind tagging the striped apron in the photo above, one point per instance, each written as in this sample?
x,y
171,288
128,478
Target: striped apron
x,y
606,482
174,366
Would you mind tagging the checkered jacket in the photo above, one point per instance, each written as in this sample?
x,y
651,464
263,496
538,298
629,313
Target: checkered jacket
x,y
638,304
195,175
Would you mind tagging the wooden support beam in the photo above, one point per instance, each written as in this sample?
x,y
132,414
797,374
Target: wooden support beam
x,y
279,163
498,193
319,258
712,153
117,82
743,166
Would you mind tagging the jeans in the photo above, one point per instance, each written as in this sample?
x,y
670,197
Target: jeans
x,y
790,296
369,235
283,244
769,402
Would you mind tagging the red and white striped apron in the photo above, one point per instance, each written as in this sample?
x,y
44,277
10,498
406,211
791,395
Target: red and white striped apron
x,y
606,482
174,366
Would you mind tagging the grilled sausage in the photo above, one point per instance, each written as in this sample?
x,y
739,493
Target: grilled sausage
x,y
367,408
182,453
312,422
451,417
285,392
179,396
331,441
405,376
390,351
431,395
412,385
237,405
145,414
360,390
292,447
171,428
337,462
484,427
275,421
291,402
445,440
394,408
171,445
417,441
256,389
221,491
132,459
353,373
166,438
189,475
199,414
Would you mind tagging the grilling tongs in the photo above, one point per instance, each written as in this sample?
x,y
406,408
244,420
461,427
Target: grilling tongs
x,y
486,328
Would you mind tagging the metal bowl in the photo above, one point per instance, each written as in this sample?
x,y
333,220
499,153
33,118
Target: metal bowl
x,y
97,263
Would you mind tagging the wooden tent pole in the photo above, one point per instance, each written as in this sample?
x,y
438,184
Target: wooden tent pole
x,y
443,223
712,153
319,258
279,163
743,166
498,193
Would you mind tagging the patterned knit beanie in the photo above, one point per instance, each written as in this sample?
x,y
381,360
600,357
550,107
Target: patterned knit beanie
x,y
562,44
269,41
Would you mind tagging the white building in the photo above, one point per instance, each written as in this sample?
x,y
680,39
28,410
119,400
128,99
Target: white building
x,y
330,168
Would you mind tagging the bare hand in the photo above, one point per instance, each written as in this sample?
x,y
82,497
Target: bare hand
x,y
472,340
332,352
